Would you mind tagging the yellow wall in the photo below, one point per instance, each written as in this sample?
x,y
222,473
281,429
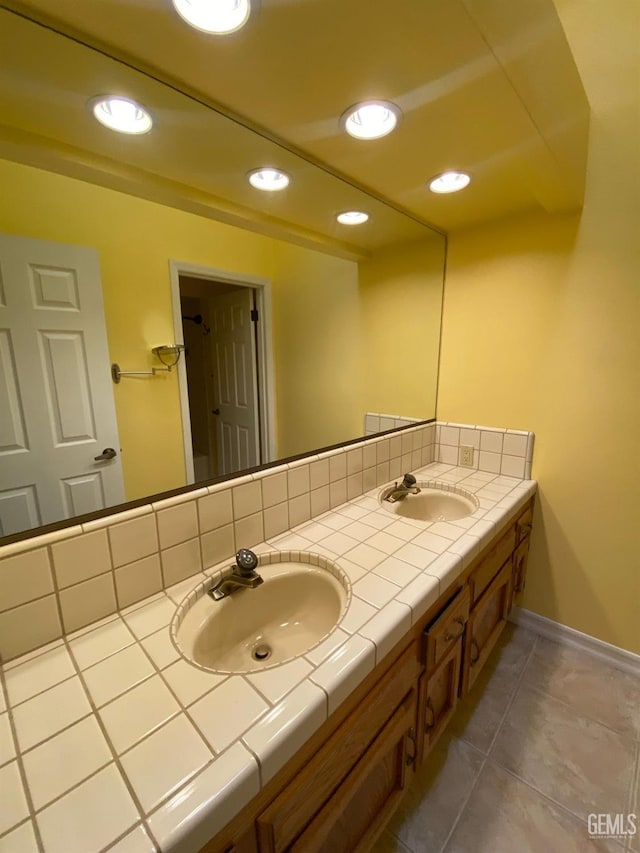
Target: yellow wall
x,y
316,347
135,240
542,331
401,301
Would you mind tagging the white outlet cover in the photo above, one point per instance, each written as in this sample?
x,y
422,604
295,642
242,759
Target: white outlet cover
x,y
466,454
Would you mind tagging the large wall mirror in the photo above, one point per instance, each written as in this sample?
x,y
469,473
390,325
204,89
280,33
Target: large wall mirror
x,y
291,328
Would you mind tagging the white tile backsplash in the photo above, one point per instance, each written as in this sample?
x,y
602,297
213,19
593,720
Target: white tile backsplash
x,y
194,531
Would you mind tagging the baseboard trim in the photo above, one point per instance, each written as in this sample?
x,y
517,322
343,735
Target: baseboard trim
x,y
612,655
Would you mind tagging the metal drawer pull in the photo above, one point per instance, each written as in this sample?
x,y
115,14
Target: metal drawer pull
x,y
449,637
474,645
411,754
429,725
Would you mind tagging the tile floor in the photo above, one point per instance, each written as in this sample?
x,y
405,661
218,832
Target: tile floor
x,y
547,736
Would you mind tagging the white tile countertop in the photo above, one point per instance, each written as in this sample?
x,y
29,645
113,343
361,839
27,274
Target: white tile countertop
x,y
110,740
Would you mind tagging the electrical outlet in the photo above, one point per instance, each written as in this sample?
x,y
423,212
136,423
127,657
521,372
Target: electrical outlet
x,y
466,455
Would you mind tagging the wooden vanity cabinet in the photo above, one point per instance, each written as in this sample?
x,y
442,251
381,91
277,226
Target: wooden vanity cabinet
x,y
339,791
363,803
362,763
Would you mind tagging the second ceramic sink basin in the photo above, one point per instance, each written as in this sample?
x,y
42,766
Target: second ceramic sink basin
x,y
294,608
435,502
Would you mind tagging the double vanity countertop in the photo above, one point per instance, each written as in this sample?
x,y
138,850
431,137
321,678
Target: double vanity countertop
x,y
111,740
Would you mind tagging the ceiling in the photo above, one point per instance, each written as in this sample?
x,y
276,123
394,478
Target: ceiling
x,y
488,86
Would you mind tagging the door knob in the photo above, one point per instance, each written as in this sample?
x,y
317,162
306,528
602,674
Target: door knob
x,y
107,453
215,411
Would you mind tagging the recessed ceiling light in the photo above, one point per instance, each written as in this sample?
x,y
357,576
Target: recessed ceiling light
x,y
214,16
371,119
268,179
449,182
121,114
352,217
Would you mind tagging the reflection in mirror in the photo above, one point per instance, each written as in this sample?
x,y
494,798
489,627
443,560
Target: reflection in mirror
x,y
109,248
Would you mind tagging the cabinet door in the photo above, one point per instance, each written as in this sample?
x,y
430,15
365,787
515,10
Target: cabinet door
x,y
438,699
486,622
308,792
520,559
358,810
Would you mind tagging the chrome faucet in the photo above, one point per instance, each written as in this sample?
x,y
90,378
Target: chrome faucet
x,y
400,492
243,576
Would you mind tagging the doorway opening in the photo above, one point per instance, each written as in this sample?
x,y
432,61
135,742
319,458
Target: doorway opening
x,y
225,379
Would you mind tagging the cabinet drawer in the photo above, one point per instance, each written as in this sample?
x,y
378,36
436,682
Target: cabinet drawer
x,y
285,818
441,635
524,523
485,571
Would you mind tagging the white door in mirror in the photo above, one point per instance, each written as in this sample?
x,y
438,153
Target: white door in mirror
x,y
236,380
56,396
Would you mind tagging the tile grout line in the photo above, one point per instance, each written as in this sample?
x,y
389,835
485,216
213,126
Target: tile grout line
x,y
21,769
532,787
114,753
625,735
486,756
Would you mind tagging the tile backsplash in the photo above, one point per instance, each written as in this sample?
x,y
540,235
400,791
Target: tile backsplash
x,y
498,451
375,422
56,583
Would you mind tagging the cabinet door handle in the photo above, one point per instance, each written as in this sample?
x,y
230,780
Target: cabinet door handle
x,y
525,529
429,724
448,637
411,754
474,645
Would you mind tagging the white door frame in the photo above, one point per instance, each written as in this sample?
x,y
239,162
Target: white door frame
x,y
266,384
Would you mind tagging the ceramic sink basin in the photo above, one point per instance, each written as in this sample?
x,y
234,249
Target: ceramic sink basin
x,y
435,502
294,608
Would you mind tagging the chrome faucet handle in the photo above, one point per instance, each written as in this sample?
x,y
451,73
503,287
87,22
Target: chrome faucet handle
x,y
246,562
409,481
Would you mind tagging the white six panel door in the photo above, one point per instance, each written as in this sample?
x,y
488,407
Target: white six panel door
x,y
236,380
56,397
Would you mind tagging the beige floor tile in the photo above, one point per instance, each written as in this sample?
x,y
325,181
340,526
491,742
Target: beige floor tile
x,y
480,713
634,843
574,760
430,808
388,843
504,815
593,688
512,650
